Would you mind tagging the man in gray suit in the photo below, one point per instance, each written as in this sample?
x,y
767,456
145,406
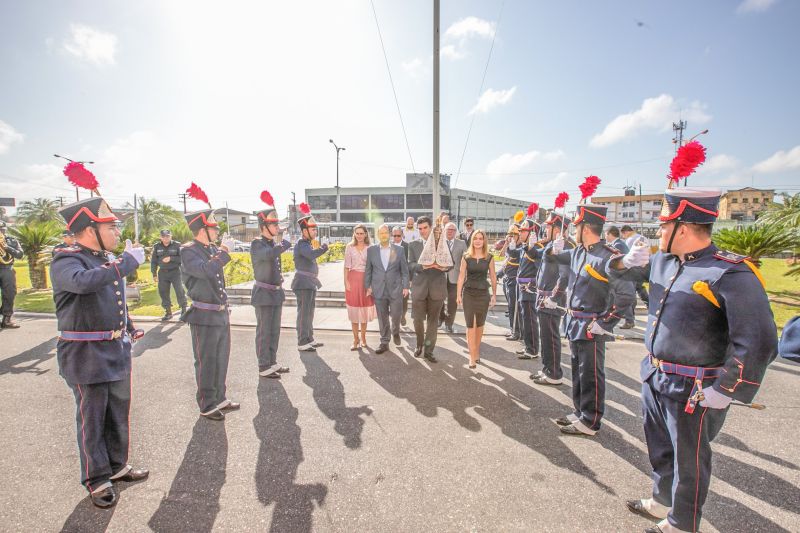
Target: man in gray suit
x,y
457,248
386,279
397,238
428,292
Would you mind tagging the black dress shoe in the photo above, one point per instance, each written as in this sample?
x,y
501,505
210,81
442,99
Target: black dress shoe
x,y
402,321
449,329
512,338
430,358
636,507
627,325
317,344
134,474
232,406
272,375
563,421
418,352
654,529
572,430
382,348
105,498
167,316
283,370
216,414
396,340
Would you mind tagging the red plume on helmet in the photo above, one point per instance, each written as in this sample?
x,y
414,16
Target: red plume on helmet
x,y
690,156
589,186
80,176
197,193
304,208
561,199
532,209
266,197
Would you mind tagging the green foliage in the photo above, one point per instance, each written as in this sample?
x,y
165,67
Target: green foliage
x,y
239,269
287,262
335,253
757,241
786,214
153,217
181,232
36,239
39,210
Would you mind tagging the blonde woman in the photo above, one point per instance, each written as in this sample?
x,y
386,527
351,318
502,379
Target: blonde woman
x,y
360,306
477,265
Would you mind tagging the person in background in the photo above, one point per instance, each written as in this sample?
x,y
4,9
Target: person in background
x,y
67,241
457,248
630,238
165,264
472,288
386,280
469,228
9,252
410,231
306,278
624,291
360,305
397,238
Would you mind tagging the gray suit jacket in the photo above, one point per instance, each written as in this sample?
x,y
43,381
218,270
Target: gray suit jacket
x,y
389,282
459,247
430,283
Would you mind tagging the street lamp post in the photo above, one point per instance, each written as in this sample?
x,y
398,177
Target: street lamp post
x,y
77,195
338,149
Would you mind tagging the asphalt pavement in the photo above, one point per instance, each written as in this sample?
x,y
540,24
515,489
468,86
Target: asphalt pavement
x,y
355,441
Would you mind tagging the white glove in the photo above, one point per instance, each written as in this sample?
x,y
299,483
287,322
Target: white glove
x,y
638,256
325,241
714,399
228,243
558,246
596,329
137,252
548,303
512,245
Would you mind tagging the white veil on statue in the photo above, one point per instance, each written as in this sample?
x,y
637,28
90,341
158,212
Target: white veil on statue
x,y
435,250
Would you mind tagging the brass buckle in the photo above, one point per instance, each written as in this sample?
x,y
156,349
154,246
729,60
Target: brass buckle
x,y
656,362
116,334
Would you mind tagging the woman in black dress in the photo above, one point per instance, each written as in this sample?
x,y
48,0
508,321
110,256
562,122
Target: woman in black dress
x,y
473,291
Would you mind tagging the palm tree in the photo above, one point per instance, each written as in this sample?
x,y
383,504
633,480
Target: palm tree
x,y
785,214
153,216
38,210
35,238
757,241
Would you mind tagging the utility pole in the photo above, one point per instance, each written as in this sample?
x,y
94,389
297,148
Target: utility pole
x,y
641,219
135,218
436,199
60,200
293,217
338,149
182,197
678,129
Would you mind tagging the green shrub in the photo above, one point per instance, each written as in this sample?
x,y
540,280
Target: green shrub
x,y
239,269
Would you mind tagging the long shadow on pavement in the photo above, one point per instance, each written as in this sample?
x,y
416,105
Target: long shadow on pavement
x,y
279,456
193,500
31,359
329,396
156,338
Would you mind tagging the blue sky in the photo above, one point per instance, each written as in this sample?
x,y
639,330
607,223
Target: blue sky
x,y
243,96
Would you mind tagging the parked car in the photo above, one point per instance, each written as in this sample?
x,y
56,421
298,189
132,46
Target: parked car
x,y
240,246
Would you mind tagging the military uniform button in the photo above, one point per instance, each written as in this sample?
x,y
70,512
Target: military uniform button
x,y
120,323
116,283
119,302
120,312
118,293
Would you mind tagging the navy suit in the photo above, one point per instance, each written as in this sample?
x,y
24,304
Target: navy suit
x,y
267,297
551,282
203,274
89,294
305,285
530,258
709,313
589,299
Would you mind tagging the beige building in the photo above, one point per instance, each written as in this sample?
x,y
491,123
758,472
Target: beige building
x,y
630,207
745,204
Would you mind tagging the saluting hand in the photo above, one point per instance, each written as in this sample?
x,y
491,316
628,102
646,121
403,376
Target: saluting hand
x,y
137,252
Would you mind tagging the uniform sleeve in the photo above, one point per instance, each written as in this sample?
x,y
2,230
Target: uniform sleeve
x,y
562,259
304,249
70,275
15,249
177,257
196,263
752,332
153,262
627,274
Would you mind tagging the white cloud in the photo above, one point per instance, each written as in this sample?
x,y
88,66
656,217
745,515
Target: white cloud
x,y
491,99
450,51
8,136
413,67
656,113
780,161
754,6
129,159
470,27
719,163
510,163
95,46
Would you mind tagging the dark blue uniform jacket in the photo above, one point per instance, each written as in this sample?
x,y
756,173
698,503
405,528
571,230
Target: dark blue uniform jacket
x,y
552,278
266,257
202,268
305,260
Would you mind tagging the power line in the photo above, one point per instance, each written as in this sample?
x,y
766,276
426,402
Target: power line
x,y
391,81
480,90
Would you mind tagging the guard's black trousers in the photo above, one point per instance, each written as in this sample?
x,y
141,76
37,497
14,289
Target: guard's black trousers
x,y
530,325
102,420
550,337
268,333
8,286
306,303
425,313
212,349
589,381
167,279
679,446
510,287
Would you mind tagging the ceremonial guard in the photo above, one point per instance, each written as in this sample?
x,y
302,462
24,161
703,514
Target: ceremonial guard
x,y
202,265
10,250
67,241
165,264
551,299
268,295
95,336
511,250
710,336
306,281
589,301
529,259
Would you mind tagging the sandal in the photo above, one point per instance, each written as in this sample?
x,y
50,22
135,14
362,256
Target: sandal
x,y
473,366
355,346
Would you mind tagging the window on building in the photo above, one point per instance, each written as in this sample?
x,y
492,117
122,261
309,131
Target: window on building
x,y
353,217
393,217
354,201
419,201
745,200
387,201
416,214
244,220
322,202
755,200
734,200
445,202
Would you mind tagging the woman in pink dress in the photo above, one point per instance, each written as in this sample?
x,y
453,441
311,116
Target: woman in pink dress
x,y
360,307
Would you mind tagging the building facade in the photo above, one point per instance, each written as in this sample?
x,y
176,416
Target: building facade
x,y
630,207
395,204
745,204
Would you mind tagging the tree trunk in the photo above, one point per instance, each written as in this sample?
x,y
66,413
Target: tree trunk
x,y
38,274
